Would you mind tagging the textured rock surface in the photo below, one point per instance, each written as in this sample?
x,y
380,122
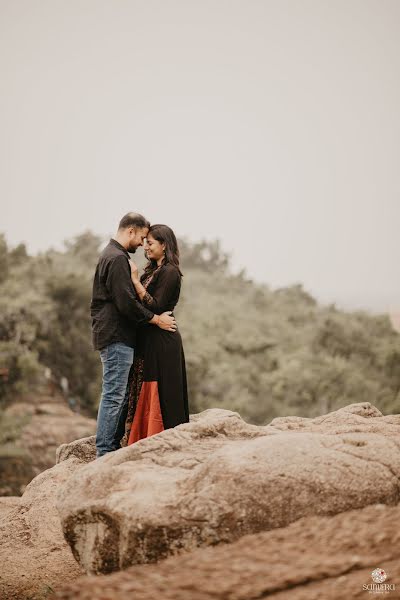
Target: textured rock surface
x,y
84,450
50,423
218,478
53,424
7,504
315,558
34,555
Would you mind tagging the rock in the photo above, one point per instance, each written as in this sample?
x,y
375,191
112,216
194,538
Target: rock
x,y
218,478
7,504
50,423
315,558
34,555
84,450
338,421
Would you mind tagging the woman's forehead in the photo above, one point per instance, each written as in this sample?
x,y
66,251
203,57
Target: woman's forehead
x,y
150,238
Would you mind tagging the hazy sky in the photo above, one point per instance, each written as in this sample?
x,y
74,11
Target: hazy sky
x,y
273,125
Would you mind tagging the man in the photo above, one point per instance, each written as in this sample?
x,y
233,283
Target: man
x,y
116,312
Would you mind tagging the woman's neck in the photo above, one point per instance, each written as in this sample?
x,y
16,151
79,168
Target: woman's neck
x,y
160,261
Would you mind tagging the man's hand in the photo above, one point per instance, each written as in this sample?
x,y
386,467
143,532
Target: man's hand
x,y
167,322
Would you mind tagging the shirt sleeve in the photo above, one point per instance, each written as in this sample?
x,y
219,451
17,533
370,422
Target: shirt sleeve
x,y
168,281
120,287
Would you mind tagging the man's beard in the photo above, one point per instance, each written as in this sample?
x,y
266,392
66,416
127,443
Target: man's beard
x,y
131,250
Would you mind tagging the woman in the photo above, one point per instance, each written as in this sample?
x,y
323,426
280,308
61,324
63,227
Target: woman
x,y
158,396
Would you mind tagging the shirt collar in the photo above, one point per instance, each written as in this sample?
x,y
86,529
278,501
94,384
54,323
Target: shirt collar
x,y
118,245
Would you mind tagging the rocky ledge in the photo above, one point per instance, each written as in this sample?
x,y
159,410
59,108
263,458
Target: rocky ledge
x,y
218,478
315,558
34,556
216,481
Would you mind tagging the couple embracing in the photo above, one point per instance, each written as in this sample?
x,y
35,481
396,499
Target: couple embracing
x,y
144,389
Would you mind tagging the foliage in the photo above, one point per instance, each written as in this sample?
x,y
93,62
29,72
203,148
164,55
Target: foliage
x,y
248,348
10,428
44,320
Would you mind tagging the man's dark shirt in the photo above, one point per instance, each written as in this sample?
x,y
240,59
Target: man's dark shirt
x,y
115,309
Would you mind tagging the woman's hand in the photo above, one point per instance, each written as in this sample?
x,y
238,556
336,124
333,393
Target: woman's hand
x,y
134,271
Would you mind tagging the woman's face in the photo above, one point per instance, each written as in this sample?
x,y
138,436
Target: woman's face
x,y
153,248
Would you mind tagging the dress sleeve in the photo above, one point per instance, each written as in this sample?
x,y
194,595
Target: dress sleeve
x,y
121,289
168,281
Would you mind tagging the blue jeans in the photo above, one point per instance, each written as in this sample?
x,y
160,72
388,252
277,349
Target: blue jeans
x,y
117,360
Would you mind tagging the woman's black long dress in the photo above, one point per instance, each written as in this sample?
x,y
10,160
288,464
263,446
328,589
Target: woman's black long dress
x,y
158,397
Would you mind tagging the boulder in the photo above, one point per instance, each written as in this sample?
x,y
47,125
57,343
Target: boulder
x,y
52,424
315,558
217,478
45,424
7,504
34,555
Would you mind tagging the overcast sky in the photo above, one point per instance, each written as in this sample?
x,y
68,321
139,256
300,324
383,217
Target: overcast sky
x,y
273,125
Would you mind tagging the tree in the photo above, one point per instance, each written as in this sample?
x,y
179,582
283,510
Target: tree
x,y
3,258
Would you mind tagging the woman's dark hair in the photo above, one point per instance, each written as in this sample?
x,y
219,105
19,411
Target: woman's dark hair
x,y
164,235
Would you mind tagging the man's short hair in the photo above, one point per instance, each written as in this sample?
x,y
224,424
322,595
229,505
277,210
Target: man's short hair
x,y
132,219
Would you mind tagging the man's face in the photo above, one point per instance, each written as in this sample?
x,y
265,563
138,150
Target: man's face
x,y
136,238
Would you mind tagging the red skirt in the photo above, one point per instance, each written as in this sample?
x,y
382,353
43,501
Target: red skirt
x,y
148,418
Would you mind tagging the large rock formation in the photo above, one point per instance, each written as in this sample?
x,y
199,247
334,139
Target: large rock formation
x,y
53,424
34,555
218,478
315,558
50,422
215,479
